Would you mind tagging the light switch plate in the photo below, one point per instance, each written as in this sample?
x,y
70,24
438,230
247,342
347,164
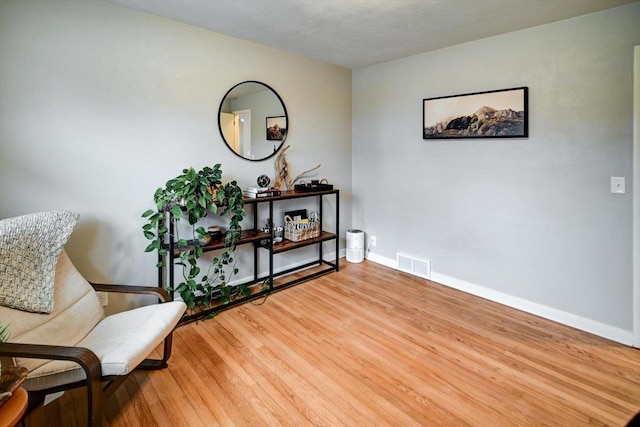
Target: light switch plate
x,y
618,185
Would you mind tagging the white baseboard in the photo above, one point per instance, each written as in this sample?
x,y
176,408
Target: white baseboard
x,y
597,328
387,262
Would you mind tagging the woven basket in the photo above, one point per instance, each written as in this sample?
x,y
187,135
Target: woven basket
x,y
297,231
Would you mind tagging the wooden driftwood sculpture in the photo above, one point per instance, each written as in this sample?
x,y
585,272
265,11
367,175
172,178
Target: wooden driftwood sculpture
x,y
283,179
282,171
303,174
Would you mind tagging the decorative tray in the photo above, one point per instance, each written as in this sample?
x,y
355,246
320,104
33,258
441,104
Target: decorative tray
x,y
313,187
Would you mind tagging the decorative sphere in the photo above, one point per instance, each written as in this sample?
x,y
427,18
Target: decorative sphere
x,y
263,181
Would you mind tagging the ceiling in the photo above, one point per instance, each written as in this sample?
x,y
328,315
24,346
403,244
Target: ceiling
x,y
357,33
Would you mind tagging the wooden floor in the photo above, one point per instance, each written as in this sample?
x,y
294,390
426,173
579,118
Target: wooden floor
x,y
370,346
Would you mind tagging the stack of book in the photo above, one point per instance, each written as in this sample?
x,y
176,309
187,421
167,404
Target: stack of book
x,y
256,192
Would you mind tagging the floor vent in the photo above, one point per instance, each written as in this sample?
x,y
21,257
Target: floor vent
x,y
415,266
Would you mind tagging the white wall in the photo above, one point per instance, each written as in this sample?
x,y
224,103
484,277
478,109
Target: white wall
x,y
529,220
100,105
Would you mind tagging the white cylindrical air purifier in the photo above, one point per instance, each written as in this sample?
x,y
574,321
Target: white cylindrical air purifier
x,y
355,245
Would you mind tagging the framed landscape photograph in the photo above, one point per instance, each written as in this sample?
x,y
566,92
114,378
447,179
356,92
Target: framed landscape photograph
x,y
492,114
276,128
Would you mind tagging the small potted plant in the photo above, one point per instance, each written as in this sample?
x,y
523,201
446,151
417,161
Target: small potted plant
x,y
4,337
194,194
4,334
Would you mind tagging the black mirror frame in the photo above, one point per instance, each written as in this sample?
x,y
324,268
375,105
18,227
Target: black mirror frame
x,y
284,108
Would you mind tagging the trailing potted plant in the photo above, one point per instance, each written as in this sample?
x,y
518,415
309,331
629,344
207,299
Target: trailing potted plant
x,y
4,334
194,194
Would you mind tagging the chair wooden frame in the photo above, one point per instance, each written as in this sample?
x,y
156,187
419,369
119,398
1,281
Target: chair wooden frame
x,y
99,387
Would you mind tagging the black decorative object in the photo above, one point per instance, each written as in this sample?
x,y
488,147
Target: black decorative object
x,y
315,185
493,114
310,187
263,181
297,214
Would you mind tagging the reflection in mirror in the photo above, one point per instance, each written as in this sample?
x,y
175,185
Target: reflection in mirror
x,y
253,120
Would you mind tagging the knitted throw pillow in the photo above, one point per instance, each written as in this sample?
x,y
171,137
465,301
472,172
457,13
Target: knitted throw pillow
x,y
29,250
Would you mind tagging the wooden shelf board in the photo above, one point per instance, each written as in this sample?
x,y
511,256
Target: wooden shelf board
x,y
246,236
287,245
288,195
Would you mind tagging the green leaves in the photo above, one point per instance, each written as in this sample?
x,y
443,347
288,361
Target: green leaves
x,y
176,211
153,246
202,201
191,174
201,232
4,334
197,193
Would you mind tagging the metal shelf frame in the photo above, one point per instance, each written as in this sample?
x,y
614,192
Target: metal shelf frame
x,y
263,241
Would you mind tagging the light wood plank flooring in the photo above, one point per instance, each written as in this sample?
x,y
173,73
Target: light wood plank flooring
x,y
370,346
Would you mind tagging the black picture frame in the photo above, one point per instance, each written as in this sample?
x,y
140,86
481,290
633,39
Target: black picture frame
x,y
276,128
502,113
298,213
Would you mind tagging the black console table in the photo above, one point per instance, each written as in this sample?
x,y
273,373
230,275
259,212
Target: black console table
x,y
265,241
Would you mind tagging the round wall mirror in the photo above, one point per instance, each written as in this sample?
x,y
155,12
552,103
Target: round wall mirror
x,y
253,120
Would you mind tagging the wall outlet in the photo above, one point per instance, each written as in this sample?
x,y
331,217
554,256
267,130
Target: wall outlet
x,y
104,298
618,185
373,241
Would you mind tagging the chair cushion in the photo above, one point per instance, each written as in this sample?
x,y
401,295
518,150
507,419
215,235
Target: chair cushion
x,y
76,303
29,249
121,341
